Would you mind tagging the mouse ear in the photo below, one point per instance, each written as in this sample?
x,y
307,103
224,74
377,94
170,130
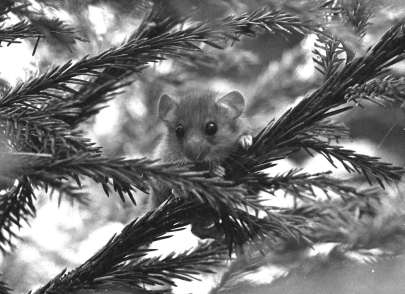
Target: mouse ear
x,y
233,103
166,106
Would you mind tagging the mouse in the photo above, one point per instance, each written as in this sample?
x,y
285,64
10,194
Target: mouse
x,y
200,127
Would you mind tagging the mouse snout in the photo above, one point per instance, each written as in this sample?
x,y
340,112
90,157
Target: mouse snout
x,y
196,149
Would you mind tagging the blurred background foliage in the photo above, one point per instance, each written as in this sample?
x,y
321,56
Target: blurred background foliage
x,y
268,65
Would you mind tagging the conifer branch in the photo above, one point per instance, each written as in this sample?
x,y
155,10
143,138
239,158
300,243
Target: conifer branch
x,y
325,219
357,13
329,52
16,206
329,131
36,26
371,167
122,248
36,132
20,30
352,16
383,91
328,55
122,263
92,80
126,175
55,29
305,186
67,191
283,137
345,222
121,256
136,53
162,270
275,228
92,97
274,21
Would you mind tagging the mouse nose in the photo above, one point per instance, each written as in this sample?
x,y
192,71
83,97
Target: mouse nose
x,y
195,149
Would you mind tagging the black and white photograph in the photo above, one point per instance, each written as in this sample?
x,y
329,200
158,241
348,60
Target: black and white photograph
x,y
202,146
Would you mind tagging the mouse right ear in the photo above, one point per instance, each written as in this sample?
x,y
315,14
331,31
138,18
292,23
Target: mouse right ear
x,y
233,103
166,107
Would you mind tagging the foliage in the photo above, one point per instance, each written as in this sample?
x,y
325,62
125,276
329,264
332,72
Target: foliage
x,y
43,148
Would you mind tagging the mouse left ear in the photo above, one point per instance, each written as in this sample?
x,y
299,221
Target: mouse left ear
x,y
166,107
233,103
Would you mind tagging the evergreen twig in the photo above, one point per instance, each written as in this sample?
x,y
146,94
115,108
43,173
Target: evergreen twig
x,y
162,270
357,13
282,137
136,53
121,257
16,206
371,167
383,91
18,31
125,175
305,186
37,132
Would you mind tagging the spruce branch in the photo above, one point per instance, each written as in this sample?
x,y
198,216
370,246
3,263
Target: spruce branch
x,y
352,17
92,97
274,21
16,206
283,137
330,131
330,52
357,13
55,29
123,257
383,91
328,55
371,167
222,198
308,187
162,270
136,53
119,261
67,191
346,222
32,131
18,31
36,27
129,245
126,175
325,219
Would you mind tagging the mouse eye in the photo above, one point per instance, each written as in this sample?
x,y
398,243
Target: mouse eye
x,y
180,131
211,128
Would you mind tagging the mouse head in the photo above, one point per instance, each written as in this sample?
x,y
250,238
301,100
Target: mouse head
x,y
200,126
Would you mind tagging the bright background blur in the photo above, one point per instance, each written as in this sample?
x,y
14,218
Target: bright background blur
x,y
271,71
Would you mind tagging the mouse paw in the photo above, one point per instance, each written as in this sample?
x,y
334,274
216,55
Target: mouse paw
x,y
176,193
246,141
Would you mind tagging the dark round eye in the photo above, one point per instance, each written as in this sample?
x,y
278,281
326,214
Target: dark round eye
x,y
211,128
180,131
